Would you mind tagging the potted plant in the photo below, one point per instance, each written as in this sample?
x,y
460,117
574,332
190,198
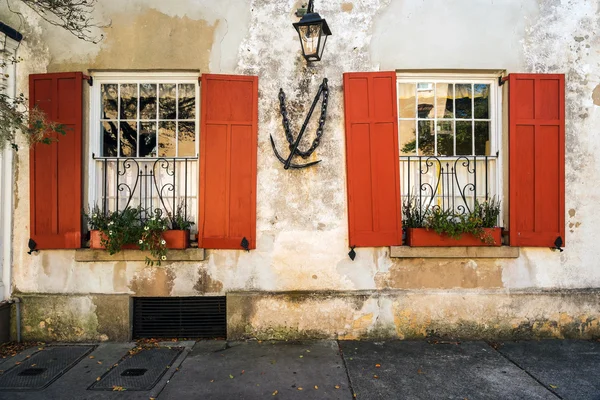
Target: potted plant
x,y
435,226
115,230
136,228
178,237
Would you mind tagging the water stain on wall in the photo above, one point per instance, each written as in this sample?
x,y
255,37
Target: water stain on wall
x,y
153,282
150,40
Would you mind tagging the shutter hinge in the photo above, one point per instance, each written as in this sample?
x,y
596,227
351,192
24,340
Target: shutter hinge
x,y
32,246
501,80
558,244
89,79
352,253
245,244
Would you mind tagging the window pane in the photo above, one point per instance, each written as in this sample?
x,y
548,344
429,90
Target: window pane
x,y
128,139
167,101
426,138
426,99
109,138
463,100
129,101
187,101
406,100
445,138
482,101
464,135
445,100
109,101
147,139
482,138
147,101
408,138
166,139
187,139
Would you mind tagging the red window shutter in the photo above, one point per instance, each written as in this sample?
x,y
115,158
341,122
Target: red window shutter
x,y
536,159
228,143
55,169
372,162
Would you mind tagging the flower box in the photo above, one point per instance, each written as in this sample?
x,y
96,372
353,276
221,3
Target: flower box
x,y
422,237
176,239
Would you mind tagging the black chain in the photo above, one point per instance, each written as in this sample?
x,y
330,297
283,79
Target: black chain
x,y
286,122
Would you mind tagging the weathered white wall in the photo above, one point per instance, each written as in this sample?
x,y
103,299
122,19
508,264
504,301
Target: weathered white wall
x,y
302,239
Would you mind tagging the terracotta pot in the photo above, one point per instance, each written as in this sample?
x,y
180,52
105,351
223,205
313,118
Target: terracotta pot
x,y
421,237
96,241
176,239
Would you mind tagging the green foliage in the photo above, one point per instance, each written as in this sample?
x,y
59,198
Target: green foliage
x,y
179,219
15,117
136,226
151,238
448,222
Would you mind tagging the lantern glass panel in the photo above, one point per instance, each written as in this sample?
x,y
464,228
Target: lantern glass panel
x,y
310,35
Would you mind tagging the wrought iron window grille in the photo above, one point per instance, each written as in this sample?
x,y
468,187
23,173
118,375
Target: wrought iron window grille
x,y
152,184
448,183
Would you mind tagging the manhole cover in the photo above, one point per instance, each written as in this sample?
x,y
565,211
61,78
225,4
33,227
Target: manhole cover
x,y
43,367
140,371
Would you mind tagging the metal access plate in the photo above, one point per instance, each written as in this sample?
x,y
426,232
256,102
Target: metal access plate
x,y
42,368
140,371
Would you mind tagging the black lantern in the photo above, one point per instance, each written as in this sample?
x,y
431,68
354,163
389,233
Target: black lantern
x,y
313,32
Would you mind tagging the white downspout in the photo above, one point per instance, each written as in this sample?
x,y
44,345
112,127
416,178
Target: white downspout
x,y
6,182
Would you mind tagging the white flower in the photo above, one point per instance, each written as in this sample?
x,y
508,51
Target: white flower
x,y
163,242
163,258
95,216
111,223
110,232
141,241
146,228
153,218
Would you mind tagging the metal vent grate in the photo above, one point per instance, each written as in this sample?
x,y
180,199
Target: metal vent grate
x,y
179,317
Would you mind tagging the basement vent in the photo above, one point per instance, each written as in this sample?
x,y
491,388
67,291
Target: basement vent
x,y
179,317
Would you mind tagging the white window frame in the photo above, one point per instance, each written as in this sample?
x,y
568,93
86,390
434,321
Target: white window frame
x,y
496,114
94,124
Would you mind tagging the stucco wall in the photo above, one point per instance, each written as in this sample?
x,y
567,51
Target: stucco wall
x,y
302,239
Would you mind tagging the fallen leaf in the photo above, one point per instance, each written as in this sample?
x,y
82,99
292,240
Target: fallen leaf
x,y
420,372
243,371
98,378
92,357
350,358
33,365
377,365
152,398
316,387
337,386
308,351
275,392
375,377
273,361
99,362
299,388
301,356
212,380
118,389
17,363
553,386
230,376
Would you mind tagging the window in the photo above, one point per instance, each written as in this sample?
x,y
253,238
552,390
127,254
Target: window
x,y
448,139
144,142
438,137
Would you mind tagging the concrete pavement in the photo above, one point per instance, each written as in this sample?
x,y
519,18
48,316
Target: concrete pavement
x,y
434,369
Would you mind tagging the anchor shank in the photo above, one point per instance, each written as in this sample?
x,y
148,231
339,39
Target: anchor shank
x,y
304,125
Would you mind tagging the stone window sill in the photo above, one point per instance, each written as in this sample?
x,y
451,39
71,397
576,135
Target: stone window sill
x,y
454,252
92,255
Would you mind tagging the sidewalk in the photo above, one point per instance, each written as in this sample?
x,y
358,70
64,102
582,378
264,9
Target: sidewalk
x,y
329,369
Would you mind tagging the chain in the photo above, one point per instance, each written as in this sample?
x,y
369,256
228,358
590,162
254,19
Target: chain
x,y
320,128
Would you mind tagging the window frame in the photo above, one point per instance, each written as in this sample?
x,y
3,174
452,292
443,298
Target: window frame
x,y
497,114
93,136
